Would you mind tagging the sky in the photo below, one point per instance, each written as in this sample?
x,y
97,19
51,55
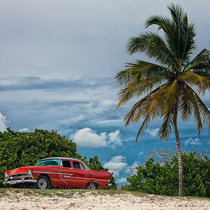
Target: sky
x,y
58,61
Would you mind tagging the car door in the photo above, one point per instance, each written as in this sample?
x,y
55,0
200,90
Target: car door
x,y
80,174
66,174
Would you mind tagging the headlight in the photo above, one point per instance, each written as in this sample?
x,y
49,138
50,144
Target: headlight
x,y
5,174
29,172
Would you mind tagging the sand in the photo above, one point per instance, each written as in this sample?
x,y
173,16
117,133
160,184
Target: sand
x,y
92,200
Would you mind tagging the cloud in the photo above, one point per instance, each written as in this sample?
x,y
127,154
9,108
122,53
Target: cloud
x,y
58,103
116,165
122,180
87,137
2,122
140,153
24,130
72,120
152,132
102,105
39,83
193,141
110,122
132,169
114,138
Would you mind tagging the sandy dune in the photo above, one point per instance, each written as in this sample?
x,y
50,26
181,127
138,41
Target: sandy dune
x,y
92,200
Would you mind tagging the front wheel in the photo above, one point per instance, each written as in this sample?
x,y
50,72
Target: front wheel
x,y
92,186
43,182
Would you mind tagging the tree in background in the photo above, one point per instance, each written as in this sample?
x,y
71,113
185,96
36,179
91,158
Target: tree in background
x,y
19,149
172,83
162,179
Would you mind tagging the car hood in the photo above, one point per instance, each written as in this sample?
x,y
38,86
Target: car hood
x,y
23,170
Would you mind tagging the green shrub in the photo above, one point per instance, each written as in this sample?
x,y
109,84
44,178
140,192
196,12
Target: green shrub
x,y
162,179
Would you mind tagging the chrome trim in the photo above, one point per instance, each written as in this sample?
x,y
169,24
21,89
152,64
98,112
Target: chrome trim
x,y
63,180
20,178
29,172
6,175
66,158
20,181
69,174
92,179
46,172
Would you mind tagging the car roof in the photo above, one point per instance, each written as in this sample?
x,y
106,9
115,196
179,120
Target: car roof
x,y
60,158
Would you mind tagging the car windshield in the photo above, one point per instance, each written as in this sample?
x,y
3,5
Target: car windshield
x,y
51,162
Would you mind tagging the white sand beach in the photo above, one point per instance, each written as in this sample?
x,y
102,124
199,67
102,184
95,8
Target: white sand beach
x,y
92,200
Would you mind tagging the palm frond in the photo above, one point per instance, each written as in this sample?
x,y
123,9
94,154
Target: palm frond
x,y
181,37
200,64
134,89
191,104
148,104
196,80
153,46
185,105
177,14
203,110
196,113
156,104
171,94
139,78
143,125
163,23
139,110
141,69
165,129
187,43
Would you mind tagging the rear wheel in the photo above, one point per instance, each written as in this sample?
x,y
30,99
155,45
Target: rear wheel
x,y
43,182
92,186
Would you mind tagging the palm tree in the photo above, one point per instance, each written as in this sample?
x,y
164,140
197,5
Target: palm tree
x,y
172,83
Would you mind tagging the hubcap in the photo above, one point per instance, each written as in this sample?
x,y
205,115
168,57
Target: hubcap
x,y
42,184
92,186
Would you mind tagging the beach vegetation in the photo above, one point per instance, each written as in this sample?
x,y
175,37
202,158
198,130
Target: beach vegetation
x,y
162,178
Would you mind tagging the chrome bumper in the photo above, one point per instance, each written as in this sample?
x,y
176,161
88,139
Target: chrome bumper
x,y
19,179
12,182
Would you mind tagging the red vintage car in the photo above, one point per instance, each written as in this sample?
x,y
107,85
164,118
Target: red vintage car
x,y
57,172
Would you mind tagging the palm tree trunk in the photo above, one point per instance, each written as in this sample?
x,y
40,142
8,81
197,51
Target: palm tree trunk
x,y
179,154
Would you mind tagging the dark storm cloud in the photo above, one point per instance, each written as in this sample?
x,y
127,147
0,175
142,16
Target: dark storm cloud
x,y
33,83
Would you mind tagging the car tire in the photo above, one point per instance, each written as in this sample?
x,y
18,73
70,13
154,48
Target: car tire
x,y
43,182
92,186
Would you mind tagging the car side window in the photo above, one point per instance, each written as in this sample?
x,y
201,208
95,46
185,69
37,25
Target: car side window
x,y
66,163
77,165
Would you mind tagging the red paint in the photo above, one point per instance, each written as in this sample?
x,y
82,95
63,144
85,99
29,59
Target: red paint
x,y
70,173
